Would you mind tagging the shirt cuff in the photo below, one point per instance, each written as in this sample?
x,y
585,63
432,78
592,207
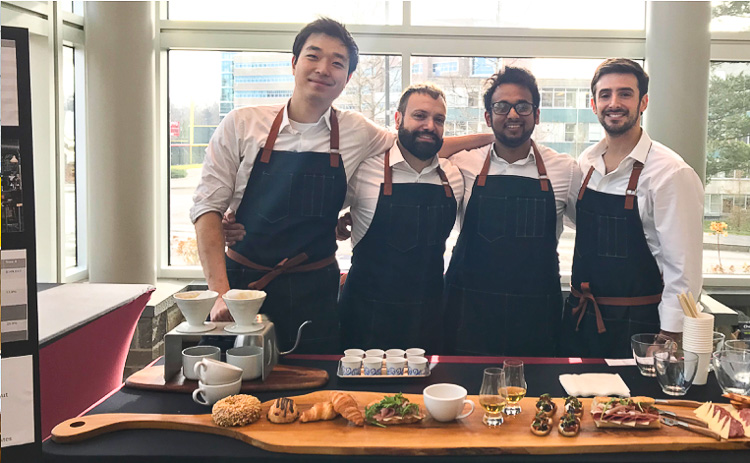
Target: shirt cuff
x,y
671,318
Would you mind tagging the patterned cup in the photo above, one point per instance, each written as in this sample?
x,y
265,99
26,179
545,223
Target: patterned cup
x,y
373,366
395,366
351,366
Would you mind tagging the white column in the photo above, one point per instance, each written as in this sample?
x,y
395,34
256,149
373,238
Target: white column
x,y
120,80
678,48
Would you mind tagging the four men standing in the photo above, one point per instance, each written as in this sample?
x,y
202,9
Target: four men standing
x,y
284,170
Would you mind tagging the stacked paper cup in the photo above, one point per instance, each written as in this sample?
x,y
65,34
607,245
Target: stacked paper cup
x,y
697,337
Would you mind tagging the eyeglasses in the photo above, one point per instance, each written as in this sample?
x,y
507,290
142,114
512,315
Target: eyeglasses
x,y
523,108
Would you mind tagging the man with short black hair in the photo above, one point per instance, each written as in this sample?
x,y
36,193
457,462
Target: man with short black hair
x,y
403,207
503,294
639,233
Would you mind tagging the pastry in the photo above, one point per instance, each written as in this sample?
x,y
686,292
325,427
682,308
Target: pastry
x,y
345,404
569,425
236,410
542,424
546,405
320,411
283,411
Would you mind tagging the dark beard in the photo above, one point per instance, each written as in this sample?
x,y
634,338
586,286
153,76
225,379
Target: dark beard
x,y
614,131
513,142
424,151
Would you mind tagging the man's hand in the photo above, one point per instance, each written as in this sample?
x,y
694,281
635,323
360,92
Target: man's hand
x,y
343,228
233,231
219,312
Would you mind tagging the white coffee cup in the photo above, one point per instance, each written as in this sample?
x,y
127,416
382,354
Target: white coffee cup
x,y
351,366
395,353
212,394
213,372
445,402
354,353
415,352
394,366
373,366
375,353
417,366
248,358
195,354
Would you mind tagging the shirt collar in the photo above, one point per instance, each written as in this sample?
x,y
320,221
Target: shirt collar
x,y
530,158
639,152
326,117
397,157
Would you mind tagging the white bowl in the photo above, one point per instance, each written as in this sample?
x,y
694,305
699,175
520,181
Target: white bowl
x,y
244,305
196,305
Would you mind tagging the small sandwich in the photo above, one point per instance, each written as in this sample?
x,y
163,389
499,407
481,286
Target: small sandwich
x,y
632,413
542,424
546,405
569,425
392,410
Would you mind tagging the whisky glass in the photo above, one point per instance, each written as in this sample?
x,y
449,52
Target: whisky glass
x,y
515,385
492,396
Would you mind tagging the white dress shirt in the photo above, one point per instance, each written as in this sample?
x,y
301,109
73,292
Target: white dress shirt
x,y
562,170
235,144
364,187
670,203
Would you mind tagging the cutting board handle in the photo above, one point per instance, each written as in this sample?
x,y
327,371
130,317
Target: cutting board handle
x,y
86,427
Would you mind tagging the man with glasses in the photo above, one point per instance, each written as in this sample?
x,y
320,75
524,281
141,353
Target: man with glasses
x,y
639,233
503,293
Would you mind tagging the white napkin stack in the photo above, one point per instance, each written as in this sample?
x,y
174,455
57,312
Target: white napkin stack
x,y
595,384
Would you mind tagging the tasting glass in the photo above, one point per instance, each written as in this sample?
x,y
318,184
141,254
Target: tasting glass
x,y
675,370
492,395
736,344
644,345
515,385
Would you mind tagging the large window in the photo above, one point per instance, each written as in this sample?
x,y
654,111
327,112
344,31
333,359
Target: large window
x,y
289,11
730,16
728,170
205,85
70,198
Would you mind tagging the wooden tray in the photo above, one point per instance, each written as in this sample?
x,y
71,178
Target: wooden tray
x,y
468,436
282,378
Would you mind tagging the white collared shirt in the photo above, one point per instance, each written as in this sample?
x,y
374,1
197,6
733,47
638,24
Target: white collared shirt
x,y
364,187
562,170
235,144
670,203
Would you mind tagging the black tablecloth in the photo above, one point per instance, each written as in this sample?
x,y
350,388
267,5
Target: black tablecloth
x,y
180,446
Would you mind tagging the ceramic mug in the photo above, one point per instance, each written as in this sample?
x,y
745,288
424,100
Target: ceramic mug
x,y
417,366
445,402
373,366
192,355
212,394
213,372
394,366
351,366
249,359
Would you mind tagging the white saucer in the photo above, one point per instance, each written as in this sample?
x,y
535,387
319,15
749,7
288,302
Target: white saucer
x,y
184,327
237,329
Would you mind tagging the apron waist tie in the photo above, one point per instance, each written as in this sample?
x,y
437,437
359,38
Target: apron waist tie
x,y
585,295
287,265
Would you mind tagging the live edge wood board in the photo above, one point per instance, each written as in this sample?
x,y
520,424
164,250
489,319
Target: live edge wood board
x,y
463,437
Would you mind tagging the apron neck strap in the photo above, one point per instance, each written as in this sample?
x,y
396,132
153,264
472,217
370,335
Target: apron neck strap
x,y
335,156
632,184
388,175
482,178
543,179
585,183
446,184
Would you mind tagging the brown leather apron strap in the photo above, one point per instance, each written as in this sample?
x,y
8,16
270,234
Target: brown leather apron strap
x,y
583,301
289,265
387,175
585,295
585,183
632,184
543,179
265,157
446,184
482,178
335,155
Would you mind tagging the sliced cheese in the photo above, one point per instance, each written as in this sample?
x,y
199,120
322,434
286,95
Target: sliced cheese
x,y
716,422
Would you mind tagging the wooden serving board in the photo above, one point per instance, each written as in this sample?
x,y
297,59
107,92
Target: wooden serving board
x,y
282,378
468,436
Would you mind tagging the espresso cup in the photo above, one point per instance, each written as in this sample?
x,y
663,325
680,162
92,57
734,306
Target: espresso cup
x,y
394,366
212,394
373,366
354,353
249,359
445,402
378,353
212,372
395,353
351,366
193,355
417,366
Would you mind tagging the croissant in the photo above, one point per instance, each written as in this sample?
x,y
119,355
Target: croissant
x,y
346,405
321,411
